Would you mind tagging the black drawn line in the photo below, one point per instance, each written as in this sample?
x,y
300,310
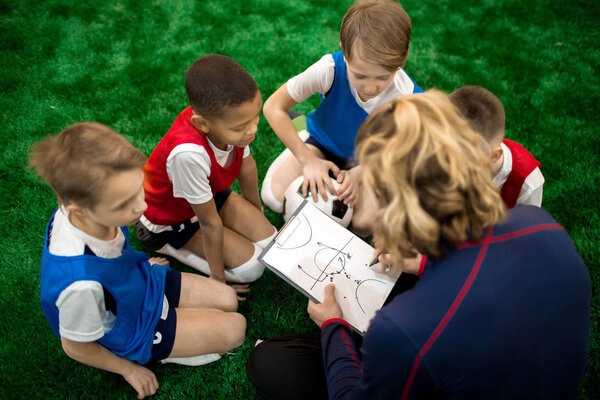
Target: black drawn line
x,y
348,255
356,291
340,251
310,276
327,274
341,259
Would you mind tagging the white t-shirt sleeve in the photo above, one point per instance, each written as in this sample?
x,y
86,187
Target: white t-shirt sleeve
x,y
80,311
532,190
246,151
317,78
188,168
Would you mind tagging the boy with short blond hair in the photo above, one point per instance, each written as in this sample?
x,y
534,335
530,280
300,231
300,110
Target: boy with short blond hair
x,y
192,214
365,74
111,306
516,172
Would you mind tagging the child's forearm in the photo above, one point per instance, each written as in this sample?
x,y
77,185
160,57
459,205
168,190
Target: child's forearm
x,y
211,228
248,180
284,129
97,356
212,242
250,192
276,112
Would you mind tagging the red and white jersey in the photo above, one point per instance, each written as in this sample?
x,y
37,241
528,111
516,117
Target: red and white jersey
x,y
520,179
168,205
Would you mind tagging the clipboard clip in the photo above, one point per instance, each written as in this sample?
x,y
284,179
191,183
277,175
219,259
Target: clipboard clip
x,y
287,231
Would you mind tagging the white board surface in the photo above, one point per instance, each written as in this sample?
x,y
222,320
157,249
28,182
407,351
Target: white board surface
x,y
312,251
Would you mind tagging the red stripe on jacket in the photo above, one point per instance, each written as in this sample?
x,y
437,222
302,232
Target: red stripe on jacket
x,y
449,314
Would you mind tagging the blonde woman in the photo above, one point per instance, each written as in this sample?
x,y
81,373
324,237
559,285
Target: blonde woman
x,y
502,309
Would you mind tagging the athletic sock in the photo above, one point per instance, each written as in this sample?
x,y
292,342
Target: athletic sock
x,y
187,257
265,242
194,360
249,271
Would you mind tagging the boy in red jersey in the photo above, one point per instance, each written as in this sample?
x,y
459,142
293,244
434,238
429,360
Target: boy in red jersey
x,y
516,172
192,213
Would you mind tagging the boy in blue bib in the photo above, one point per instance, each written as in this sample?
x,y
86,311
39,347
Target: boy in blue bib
x,y
353,82
111,306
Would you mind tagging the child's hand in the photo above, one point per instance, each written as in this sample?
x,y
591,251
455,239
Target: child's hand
x,y
142,380
348,191
316,176
241,290
158,260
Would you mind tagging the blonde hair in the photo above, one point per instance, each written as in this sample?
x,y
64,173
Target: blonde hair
x,y
430,173
77,161
379,31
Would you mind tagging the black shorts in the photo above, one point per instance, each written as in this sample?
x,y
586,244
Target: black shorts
x,y
180,233
164,332
342,163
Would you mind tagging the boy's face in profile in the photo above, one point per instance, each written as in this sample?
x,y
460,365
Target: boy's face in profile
x,y
368,79
121,201
237,125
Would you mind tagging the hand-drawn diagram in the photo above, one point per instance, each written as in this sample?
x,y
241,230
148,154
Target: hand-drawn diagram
x,y
329,262
312,251
361,283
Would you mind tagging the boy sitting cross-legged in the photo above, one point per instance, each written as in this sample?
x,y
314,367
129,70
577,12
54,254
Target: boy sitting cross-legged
x,y
112,307
367,73
192,213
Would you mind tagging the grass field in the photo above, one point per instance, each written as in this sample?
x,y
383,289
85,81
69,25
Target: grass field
x,y
122,63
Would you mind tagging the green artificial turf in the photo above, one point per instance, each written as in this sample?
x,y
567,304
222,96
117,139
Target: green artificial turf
x,y
123,63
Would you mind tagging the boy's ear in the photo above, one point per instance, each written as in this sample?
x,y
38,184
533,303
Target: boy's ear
x,y
343,54
495,153
75,209
200,122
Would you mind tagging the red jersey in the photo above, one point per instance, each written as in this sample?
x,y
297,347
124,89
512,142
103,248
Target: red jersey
x,y
163,207
523,164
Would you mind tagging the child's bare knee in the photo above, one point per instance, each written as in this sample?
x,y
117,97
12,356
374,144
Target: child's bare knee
x,y
236,333
229,300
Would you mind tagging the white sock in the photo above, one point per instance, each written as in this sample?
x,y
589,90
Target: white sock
x,y
266,192
265,242
249,271
187,257
303,134
194,360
